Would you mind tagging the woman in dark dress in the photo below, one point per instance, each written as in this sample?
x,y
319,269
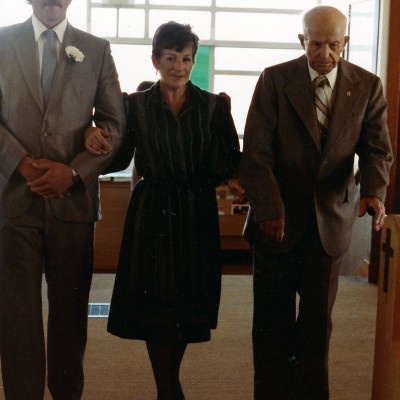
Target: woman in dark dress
x,y
168,281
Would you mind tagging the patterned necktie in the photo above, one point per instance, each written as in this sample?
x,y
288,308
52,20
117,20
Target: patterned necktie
x,y
321,106
49,63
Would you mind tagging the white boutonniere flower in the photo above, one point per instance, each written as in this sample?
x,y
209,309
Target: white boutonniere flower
x,y
74,53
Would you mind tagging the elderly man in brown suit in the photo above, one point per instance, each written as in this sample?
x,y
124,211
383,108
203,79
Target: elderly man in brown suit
x,y
49,198
298,172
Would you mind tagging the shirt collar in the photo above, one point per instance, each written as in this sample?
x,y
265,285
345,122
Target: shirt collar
x,y
331,76
39,28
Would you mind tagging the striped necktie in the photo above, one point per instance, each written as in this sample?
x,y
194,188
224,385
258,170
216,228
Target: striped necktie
x,y
49,63
321,106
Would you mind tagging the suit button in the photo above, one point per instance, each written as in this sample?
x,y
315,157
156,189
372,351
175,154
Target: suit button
x,y
45,134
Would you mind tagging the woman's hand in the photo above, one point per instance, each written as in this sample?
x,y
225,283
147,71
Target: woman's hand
x,y
96,141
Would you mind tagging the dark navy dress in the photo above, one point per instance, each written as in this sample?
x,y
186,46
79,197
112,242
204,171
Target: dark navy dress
x,y
168,281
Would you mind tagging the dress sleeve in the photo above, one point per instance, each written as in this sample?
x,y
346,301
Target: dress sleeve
x,y
124,155
225,147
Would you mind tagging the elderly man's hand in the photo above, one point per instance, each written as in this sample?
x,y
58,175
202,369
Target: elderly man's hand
x,y
375,207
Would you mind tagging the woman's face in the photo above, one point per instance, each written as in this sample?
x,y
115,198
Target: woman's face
x,y
175,67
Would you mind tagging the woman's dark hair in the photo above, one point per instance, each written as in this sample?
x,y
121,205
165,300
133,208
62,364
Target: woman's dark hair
x,y
174,36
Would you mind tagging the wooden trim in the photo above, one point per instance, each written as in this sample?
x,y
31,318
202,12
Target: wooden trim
x,y
393,98
392,94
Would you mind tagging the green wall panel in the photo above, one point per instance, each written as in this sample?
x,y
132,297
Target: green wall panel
x,y
200,73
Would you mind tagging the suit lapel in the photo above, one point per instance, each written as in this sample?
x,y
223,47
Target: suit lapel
x,y
300,95
28,59
345,98
26,50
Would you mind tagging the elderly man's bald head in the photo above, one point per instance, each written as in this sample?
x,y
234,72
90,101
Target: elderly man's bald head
x,y
324,37
324,15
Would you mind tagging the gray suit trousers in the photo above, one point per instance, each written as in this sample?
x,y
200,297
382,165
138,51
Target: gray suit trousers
x,y
30,244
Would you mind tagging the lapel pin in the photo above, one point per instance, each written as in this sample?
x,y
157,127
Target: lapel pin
x,y
348,94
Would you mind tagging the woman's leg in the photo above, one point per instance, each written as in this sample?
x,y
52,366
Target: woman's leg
x,y
166,360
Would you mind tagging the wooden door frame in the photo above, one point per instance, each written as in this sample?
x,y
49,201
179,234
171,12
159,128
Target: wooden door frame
x,y
393,97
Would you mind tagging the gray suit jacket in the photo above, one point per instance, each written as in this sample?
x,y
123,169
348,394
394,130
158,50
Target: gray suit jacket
x,y
82,93
286,173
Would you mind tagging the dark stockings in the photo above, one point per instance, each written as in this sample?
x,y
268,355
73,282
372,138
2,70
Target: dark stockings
x,y
166,361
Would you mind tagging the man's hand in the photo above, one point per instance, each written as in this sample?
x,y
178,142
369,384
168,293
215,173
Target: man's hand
x,y
375,207
55,179
27,170
274,228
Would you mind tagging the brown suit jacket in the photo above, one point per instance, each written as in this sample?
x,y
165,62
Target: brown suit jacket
x,y
27,128
286,173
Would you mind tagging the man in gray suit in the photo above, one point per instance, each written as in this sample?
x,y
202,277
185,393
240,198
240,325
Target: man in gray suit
x,y
49,198
299,178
